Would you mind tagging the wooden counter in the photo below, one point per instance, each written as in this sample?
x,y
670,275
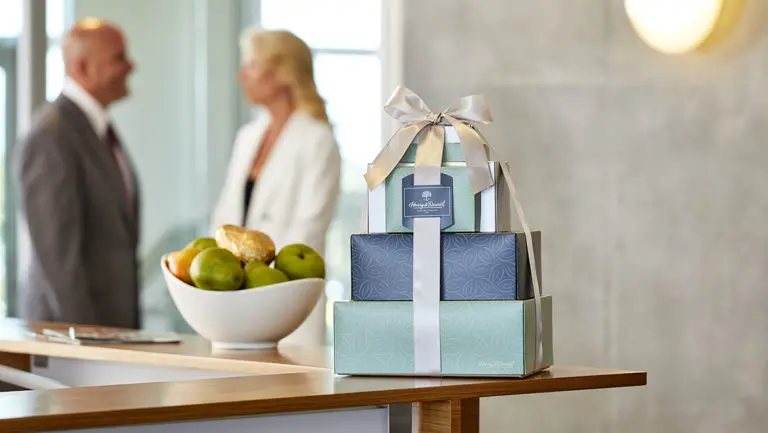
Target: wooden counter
x,y
446,405
256,395
192,352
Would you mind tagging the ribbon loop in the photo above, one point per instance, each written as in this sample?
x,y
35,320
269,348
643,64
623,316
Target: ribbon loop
x,y
470,108
406,106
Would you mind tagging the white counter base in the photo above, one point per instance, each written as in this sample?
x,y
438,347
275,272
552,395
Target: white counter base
x,y
79,372
362,420
85,373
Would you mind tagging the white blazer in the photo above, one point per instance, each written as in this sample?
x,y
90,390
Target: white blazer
x,y
295,197
293,200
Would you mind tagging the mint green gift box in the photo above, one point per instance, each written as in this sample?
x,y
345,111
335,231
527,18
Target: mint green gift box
x,y
485,212
478,338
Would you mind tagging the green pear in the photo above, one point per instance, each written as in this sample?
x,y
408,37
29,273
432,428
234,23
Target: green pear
x,y
259,274
203,243
216,269
300,261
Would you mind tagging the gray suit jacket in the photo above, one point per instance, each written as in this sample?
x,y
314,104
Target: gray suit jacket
x,y
78,236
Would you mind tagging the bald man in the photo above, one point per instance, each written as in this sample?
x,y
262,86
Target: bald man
x,y
79,217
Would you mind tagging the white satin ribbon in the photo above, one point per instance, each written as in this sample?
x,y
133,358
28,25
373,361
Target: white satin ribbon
x,y
506,171
426,264
539,358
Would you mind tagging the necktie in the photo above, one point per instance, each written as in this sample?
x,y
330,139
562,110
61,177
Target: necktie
x,y
116,151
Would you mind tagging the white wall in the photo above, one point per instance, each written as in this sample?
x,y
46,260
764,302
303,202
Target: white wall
x,y
180,121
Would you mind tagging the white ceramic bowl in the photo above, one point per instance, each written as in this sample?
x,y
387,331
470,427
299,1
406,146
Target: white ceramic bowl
x,y
245,319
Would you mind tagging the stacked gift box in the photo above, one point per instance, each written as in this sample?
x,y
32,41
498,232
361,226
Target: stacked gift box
x,y
487,306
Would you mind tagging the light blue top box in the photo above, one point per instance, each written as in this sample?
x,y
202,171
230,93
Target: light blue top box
x,y
487,211
478,338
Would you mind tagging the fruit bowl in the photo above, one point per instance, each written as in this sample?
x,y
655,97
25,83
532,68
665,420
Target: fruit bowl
x,y
248,318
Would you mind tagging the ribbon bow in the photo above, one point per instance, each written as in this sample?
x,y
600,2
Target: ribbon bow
x,y
407,107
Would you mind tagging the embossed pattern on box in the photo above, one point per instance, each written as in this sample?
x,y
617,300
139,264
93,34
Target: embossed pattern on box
x,y
475,266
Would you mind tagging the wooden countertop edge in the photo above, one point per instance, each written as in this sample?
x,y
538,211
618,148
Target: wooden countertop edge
x,y
249,407
117,354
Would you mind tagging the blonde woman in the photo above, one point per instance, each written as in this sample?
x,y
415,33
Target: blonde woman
x,y
283,176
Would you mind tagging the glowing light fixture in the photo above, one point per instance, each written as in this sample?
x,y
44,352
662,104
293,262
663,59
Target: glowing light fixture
x,y
674,26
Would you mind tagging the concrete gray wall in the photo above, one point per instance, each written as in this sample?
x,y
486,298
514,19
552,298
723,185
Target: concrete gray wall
x,y
647,175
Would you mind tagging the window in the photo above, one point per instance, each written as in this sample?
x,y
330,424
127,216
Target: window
x,y
11,20
58,16
348,74
328,24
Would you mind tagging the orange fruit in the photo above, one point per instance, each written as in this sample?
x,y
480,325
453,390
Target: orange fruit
x,y
180,261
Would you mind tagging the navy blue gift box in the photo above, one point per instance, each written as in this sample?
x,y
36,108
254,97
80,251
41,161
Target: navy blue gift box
x,y
474,266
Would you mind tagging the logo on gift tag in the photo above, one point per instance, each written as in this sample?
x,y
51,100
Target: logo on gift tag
x,y
428,201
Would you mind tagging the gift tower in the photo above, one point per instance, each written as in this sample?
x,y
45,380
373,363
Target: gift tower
x,y
442,285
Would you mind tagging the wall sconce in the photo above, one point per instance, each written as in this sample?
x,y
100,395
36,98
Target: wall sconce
x,y
674,26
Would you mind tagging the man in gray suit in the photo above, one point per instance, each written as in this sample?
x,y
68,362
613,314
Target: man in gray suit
x,y
79,226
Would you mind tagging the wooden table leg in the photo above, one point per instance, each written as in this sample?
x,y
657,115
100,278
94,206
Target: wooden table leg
x,y
450,416
20,361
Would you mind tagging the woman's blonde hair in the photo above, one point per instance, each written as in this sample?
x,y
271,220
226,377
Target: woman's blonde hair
x,y
292,59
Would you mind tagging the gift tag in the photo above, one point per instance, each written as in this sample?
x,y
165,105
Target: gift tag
x,y
428,201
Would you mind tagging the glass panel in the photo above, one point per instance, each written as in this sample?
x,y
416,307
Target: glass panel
x,y
3,144
11,17
54,72
55,17
348,24
11,22
350,85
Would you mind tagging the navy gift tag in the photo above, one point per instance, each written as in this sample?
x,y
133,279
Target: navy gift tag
x,y
428,201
